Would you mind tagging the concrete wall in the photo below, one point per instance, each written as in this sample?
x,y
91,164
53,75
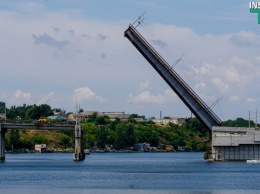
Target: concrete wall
x,y
235,143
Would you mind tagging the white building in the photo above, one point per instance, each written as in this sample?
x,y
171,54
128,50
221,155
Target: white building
x,y
176,121
40,148
2,116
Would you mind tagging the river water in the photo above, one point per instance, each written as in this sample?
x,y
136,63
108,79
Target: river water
x,y
125,173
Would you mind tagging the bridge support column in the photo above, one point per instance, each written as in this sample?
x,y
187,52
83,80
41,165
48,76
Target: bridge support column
x,y
209,154
79,154
2,143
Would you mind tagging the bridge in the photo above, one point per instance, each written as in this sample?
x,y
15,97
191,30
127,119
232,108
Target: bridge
x,y
232,143
78,152
199,108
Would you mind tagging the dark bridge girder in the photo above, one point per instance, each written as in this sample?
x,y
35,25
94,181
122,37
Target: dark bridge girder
x,y
207,117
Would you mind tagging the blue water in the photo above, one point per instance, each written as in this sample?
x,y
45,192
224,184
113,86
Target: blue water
x,y
126,173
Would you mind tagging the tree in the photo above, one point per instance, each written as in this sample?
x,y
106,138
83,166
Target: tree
x,y
2,107
102,136
102,120
14,138
120,142
129,135
36,112
20,111
92,117
239,122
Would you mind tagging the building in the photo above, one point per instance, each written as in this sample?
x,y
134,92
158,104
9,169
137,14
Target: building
x,y
82,116
169,148
173,120
2,116
113,115
142,147
58,111
58,118
40,148
235,143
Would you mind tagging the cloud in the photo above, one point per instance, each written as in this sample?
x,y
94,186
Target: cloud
x,y
245,39
206,69
235,61
85,35
233,75
102,37
158,42
22,95
85,94
226,62
147,97
55,29
48,40
234,98
19,98
250,100
71,32
144,85
220,84
200,86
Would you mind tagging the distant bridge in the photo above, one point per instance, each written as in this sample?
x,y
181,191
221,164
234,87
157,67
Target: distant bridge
x,y
78,153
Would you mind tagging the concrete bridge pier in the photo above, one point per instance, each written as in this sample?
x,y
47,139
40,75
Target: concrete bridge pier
x,y
2,143
79,154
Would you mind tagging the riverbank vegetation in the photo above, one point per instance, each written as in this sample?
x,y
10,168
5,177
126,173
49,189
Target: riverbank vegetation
x,y
102,133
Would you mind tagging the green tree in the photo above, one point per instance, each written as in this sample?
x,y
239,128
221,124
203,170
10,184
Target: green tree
x,y
129,135
239,122
92,117
120,142
2,107
36,112
14,138
102,120
102,136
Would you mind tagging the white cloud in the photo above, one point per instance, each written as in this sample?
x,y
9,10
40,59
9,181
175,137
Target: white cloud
x,y
245,39
147,97
200,86
220,84
235,61
258,58
250,100
85,94
18,98
234,98
22,95
206,69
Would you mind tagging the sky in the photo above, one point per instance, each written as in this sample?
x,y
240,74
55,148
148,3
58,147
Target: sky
x,y
68,53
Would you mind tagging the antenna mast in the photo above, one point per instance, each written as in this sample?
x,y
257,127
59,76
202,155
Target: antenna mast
x,y
139,20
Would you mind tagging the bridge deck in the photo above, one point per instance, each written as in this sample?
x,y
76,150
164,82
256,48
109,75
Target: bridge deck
x,y
42,126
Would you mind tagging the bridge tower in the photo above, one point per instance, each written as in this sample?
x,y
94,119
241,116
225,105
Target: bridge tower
x,y
79,152
2,143
206,116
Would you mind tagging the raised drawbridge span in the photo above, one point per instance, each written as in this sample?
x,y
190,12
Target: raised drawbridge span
x,y
226,143
207,117
78,152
